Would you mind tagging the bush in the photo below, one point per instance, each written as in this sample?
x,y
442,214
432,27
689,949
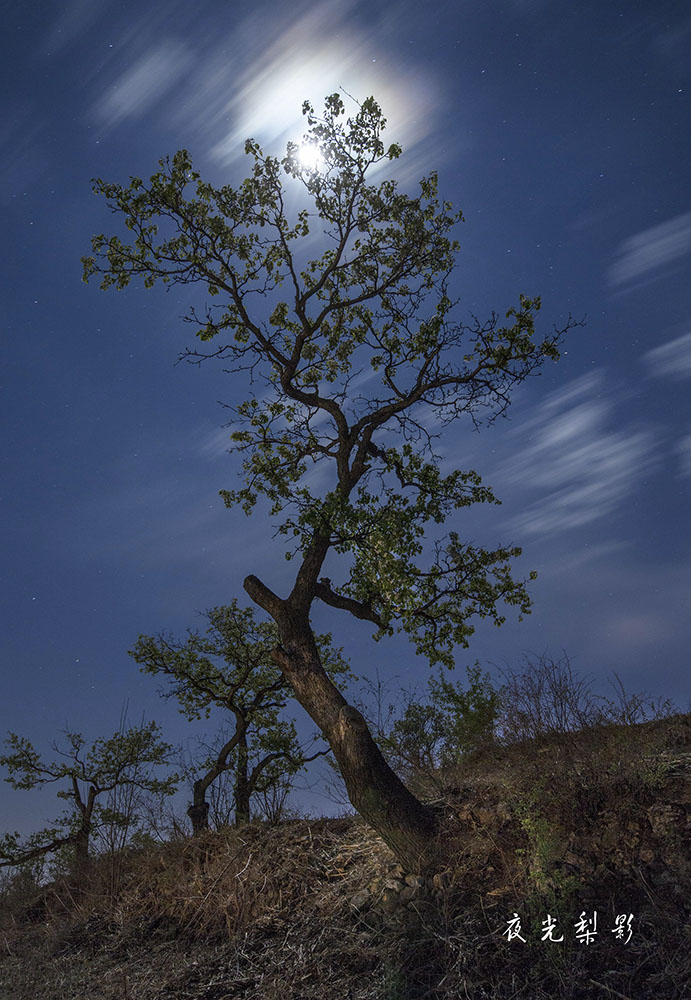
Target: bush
x,y
546,697
426,738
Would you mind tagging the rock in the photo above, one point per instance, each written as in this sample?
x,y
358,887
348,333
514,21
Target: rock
x,y
394,884
410,893
390,901
663,818
361,900
483,816
441,881
415,880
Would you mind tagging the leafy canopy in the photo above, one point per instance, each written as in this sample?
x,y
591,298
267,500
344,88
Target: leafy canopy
x,y
437,731
86,775
229,666
354,358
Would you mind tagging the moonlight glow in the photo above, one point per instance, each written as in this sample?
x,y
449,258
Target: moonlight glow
x,y
310,156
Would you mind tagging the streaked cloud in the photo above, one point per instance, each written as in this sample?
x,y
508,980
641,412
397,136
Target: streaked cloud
x,y
684,452
640,606
216,442
72,19
581,467
145,83
22,140
318,53
251,78
652,250
672,359
570,560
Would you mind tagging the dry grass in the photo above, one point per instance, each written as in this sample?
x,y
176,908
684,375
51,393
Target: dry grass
x,y
313,908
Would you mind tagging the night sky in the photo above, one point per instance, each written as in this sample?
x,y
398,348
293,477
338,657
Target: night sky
x,y
562,132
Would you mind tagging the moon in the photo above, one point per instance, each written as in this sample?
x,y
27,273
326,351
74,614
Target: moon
x,y
310,157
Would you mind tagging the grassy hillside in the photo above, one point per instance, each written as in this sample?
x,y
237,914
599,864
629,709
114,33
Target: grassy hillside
x,y
560,827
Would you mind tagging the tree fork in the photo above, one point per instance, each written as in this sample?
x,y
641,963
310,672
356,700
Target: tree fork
x,y
198,812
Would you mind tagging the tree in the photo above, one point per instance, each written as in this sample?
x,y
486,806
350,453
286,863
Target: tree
x,y
231,667
89,775
356,358
432,734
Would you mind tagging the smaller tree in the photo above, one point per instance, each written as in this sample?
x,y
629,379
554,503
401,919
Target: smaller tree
x,y
230,667
432,734
89,775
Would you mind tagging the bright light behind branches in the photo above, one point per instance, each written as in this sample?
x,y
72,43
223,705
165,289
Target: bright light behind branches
x,y
317,54
310,156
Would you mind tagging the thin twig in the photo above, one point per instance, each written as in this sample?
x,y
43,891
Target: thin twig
x,y
610,989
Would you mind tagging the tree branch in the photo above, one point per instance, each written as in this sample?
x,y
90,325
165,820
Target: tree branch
x,y
360,609
264,597
7,861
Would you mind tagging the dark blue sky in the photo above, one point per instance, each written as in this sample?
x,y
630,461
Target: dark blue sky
x,y
561,130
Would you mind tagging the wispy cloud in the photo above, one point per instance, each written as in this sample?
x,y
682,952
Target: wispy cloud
x,y
581,467
652,250
671,45
23,151
216,442
146,83
251,78
317,54
684,452
641,610
156,509
568,560
311,55
672,359
72,19
633,629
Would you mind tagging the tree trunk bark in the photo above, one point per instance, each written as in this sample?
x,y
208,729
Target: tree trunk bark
x,y
81,840
81,850
242,788
198,812
409,827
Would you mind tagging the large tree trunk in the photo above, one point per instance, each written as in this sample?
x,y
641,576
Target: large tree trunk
x,y
83,834
81,850
409,827
198,812
242,789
